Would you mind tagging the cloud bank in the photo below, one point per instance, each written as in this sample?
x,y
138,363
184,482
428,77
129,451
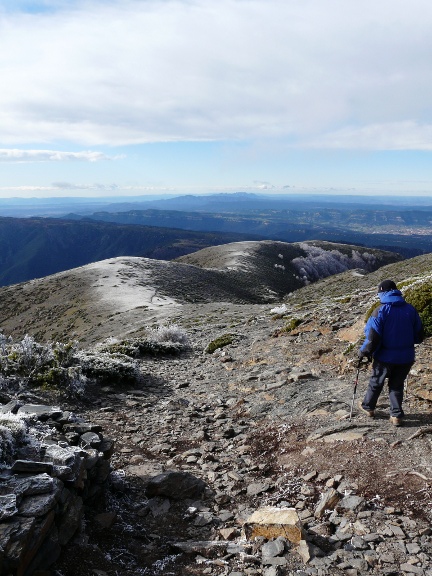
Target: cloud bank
x,y
334,74
16,155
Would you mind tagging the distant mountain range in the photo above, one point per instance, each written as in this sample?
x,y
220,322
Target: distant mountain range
x,y
404,231
238,202
171,227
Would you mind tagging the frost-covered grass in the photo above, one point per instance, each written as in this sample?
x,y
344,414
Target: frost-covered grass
x,y
163,340
16,430
106,368
63,367
169,333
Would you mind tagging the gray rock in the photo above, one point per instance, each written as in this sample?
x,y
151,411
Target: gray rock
x,y
27,486
353,503
411,569
328,501
30,467
203,519
273,548
91,439
397,531
35,506
176,485
359,543
274,571
8,506
70,521
11,406
42,411
257,488
206,548
159,506
60,456
359,564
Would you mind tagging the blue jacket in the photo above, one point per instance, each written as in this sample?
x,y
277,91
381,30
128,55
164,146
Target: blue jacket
x,y
392,330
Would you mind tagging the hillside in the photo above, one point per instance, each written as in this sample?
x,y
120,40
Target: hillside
x,y
36,247
263,421
127,292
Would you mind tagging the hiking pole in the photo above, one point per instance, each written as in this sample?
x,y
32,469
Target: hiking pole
x,y
406,387
355,388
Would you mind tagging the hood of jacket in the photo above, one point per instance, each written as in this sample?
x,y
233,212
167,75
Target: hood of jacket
x,y
393,297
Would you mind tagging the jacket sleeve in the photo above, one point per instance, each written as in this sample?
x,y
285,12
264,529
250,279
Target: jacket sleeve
x,y
372,332
371,343
418,330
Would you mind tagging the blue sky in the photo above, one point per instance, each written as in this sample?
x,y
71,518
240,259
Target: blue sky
x,y
143,96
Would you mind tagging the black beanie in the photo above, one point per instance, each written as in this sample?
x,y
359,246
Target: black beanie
x,y
386,286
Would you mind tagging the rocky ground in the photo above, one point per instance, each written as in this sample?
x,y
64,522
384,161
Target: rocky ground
x,y
263,422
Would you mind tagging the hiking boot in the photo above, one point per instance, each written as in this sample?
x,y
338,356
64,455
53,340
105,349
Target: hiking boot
x,y
370,413
395,421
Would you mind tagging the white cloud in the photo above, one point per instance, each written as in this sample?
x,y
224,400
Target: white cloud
x,y
391,136
129,71
16,155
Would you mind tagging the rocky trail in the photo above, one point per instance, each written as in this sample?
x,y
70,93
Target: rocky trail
x,y
261,423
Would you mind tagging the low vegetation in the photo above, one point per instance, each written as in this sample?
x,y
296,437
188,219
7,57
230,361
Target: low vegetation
x,y
288,327
167,340
64,368
420,296
219,342
14,432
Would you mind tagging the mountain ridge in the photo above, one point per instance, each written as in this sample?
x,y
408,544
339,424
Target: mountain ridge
x,y
78,302
36,247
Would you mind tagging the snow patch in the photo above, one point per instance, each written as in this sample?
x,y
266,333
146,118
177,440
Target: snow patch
x,y
124,285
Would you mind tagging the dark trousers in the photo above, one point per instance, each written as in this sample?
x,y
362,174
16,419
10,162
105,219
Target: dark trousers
x,y
396,374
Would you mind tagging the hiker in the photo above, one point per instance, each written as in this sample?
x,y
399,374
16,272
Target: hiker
x,y
391,332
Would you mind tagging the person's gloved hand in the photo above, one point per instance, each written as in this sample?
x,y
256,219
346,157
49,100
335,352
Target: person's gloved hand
x,y
362,355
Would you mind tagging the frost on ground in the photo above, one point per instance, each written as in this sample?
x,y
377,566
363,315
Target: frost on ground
x,y
233,256
321,263
124,285
279,309
17,430
169,333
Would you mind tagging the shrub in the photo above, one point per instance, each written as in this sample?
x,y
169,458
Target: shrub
x,y
420,296
141,347
169,333
13,433
219,342
61,367
292,324
70,380
108,368
23,358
